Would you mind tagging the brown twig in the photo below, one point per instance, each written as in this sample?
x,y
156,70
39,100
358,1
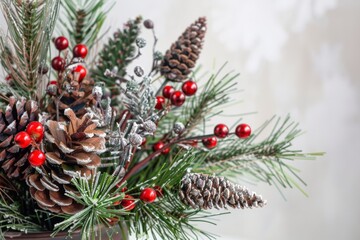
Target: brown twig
x,y
146,160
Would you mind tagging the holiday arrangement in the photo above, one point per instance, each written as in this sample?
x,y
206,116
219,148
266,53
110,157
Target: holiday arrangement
x,y
88,138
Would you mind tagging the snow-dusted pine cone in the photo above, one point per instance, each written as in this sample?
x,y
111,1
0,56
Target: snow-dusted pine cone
x,y
182,55
75,95
18,113
205,192
72,150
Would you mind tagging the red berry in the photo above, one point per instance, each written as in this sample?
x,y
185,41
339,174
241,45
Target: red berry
x,y
80,50
210,142
159,191
160,100
221,130
177,98
124,189
36,158
168,91
148,195
80,72
52,88
22,139
58,63
144,142
159,145
52,82
8,78
193,143
112,221
128,203
35,130
116,203
165,151
189,88
243,130
61,43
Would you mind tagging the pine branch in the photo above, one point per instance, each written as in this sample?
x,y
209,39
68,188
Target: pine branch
x,y
117,54
266,161
84,20
6,189
98,195
12,219
30,26
167,218
203,106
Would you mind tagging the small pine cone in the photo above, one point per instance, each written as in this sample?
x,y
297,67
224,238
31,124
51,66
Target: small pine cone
x,y
182,55
78,97
205,192
15,118
73,150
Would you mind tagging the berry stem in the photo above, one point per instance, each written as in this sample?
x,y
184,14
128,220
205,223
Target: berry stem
x,y
173,141
154,65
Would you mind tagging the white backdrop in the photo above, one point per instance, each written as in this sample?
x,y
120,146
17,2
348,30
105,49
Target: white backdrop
x,y
295,56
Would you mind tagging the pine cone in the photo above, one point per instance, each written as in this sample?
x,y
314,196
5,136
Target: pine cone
x,y
75,95
72,152
182,55
17,115
205,192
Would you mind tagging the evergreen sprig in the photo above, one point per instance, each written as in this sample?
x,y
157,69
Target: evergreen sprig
x,y
268,160
116,54
168,218
98,196
11,218
83,20
198,109
30,26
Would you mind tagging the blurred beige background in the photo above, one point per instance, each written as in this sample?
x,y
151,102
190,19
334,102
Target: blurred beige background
x,y
295,56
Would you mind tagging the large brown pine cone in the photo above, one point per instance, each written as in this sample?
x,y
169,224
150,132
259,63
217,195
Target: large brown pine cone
x,y
182,55
15,118
73,150
205,192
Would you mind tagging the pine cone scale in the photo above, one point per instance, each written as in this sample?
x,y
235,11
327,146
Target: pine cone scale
x,y
60,199
42,197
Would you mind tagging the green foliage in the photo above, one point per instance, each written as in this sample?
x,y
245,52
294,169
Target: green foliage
x,y
268,160
117,53
12,219
198,109
30,26
83,20
168,218
98,195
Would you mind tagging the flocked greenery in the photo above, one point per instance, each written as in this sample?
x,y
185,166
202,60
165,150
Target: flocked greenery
x,y
82,20
116,55
24,48
262,157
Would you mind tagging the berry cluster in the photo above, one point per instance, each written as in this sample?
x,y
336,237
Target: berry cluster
x,y
222,131
33,135
147,195
58,63
176,97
